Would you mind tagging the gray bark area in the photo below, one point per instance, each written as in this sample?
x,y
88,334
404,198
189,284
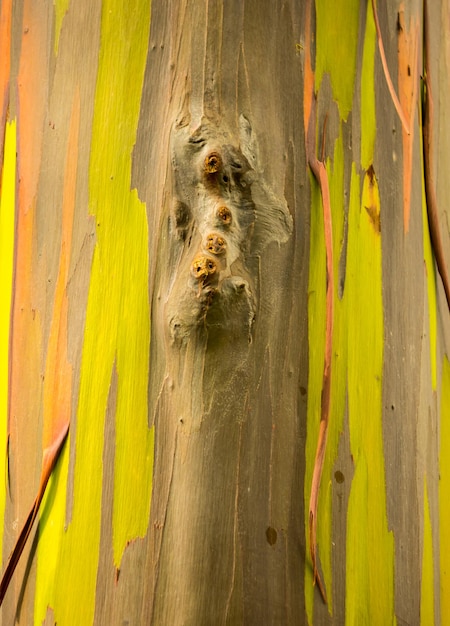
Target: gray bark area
x,y
411,407
229,348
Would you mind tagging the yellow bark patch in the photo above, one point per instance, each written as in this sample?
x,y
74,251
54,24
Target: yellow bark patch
x,y
61,7
368,118
336,47
370,545
444,496
117,329
7,212
430,277
427,583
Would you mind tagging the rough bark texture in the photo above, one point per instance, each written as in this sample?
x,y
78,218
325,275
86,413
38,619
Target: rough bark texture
x,y
227,477
190,121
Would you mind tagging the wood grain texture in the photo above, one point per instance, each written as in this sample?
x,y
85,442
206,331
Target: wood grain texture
x,y
235,422
210,511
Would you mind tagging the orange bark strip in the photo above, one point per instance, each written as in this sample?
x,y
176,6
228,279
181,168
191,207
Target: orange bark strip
x,y
58,374
58,377
25,340
430,188
320,173
32,89
408,71
26,336
26,330
395,100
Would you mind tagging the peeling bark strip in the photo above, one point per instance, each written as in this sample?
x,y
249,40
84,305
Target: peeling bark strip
x,y
430,188
387,75
50,457
320,174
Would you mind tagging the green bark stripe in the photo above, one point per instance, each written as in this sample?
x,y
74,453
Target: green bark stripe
x,y
336,49
316,326
427,582
370,545
51,538
61,7
117,332
431,277
368,115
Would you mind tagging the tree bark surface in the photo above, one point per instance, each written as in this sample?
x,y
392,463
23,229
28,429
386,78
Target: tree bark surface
x,y
168,289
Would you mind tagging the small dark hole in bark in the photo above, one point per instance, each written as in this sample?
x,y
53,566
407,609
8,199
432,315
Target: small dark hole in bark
x,y
271,535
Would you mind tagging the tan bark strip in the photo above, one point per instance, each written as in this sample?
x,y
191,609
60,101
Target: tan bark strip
x,y
395,100
430,188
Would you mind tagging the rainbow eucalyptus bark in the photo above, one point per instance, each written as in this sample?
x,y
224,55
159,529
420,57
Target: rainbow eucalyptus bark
x,y
221,218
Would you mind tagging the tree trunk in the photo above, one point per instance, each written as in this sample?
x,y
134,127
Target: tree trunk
x,y
164,286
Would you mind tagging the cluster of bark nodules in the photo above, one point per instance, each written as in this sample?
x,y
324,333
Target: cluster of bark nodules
x,y
217,227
